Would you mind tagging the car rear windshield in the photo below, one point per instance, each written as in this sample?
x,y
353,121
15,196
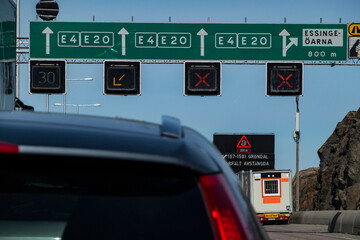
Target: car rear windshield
x,y
102,198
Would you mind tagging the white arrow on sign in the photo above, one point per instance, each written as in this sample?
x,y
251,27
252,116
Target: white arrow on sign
x,y
47,31
293,41
202,33
123,33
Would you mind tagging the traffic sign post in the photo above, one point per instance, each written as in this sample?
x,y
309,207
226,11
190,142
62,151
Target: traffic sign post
x,y
202,79
284,78
188,41
122,78
47,76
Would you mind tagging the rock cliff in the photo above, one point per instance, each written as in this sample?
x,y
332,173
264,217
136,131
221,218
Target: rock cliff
x,y
308,180
338,180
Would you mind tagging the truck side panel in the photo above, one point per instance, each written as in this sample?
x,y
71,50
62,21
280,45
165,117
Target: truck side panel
x,y
271,194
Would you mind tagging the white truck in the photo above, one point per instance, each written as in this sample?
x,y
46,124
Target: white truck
x,y
270,192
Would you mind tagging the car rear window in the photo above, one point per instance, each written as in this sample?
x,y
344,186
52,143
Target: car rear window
x,y
102,198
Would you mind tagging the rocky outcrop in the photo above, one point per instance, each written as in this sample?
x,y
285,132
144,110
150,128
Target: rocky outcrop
x,y
338,180
307,186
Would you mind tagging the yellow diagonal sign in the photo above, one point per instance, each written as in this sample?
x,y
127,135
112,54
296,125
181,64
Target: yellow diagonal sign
x,y
119,84
354,29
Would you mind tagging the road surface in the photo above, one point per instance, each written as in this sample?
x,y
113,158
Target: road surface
x,y
304,231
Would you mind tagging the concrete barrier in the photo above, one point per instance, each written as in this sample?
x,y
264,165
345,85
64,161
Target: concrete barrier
x,y
313,217
337,221
346,222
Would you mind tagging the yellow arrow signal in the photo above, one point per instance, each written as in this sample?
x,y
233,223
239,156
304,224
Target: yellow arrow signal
x,y
119,84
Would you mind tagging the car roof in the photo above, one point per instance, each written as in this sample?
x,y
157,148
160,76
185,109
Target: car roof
x,y
168,143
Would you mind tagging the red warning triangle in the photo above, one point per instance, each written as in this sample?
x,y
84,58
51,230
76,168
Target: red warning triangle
x,y
243,143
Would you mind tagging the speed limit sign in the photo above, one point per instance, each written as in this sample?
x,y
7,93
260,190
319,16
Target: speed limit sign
x,y
47,76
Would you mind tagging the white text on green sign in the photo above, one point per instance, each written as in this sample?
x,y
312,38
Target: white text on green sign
x,y
188,41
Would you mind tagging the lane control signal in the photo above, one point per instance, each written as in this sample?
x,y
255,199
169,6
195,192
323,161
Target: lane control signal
x,y
122,78
284,78
202,79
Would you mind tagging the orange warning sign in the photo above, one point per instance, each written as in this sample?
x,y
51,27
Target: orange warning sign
x,y
243,145
354,29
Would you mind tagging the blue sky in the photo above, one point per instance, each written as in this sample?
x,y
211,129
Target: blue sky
x,y
329,92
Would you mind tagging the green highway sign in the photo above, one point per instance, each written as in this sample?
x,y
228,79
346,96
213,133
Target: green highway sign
x,y
188,41
7,41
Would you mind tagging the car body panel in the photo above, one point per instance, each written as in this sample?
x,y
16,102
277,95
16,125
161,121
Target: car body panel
x,y
121,140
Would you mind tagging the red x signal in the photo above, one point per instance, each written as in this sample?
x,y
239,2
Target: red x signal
x,y
202,79
285,80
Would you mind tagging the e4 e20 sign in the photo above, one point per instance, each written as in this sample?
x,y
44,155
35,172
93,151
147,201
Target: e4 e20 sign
x,y
47,76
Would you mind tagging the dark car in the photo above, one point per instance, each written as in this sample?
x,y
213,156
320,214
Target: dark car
x,y
81,177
